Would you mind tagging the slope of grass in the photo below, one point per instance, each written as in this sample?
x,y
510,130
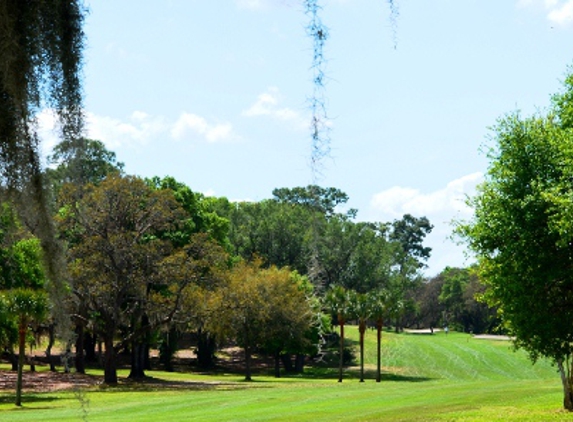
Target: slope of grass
x,y
437,377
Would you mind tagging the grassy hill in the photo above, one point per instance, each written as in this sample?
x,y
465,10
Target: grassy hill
x,y
426,378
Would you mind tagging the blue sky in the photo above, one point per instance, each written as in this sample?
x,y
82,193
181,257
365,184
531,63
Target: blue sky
x,y
214,93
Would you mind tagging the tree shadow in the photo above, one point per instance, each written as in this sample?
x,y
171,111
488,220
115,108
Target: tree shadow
x,y
28,398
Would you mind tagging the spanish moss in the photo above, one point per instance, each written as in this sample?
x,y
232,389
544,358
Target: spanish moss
x,y
41,44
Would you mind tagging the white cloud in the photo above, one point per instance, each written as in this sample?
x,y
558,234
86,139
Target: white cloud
x,y
397,201
139,128
189,122
267,104
263,4
559,12
251,4
440,207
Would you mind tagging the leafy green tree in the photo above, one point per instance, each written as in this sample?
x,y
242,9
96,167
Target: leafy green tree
x,y
521,232
81,161
260,307
410,256
318,199
27,306
115,255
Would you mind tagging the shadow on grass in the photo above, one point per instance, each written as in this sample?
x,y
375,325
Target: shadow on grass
x,y
154,384
353,374
28,398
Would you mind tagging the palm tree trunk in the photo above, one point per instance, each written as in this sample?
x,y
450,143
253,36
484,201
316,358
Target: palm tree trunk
x,y
362,328
379,349
22,329
341,363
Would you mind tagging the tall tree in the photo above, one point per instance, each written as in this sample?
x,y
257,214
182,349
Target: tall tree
x,y
338,302
522,232
115,251
81,161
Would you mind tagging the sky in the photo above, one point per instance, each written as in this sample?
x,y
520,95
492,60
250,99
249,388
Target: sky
x,y
215,93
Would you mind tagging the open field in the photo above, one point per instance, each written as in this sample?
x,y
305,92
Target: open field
x,y
440,377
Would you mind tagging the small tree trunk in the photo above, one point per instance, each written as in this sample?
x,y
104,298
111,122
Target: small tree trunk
x,y
379,349
90,347
110,365
51,341
277,364
341,363
299,363
22,329
80,357
248,363
13,359
567,387
287,362
362,329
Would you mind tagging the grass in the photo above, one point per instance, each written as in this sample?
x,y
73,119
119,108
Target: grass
x,y
425,378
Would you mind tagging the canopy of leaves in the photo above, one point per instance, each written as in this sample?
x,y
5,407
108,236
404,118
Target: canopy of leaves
x,y
523,232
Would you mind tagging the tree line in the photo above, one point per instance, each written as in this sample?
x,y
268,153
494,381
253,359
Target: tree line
x,y
148,260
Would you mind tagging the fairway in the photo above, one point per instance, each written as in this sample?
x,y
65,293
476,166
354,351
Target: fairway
x,y
425,377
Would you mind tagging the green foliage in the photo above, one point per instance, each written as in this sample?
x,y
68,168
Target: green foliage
x,y
81,161
262,308
522,231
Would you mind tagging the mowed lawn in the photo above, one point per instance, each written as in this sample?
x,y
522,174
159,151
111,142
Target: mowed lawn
x,y
425,377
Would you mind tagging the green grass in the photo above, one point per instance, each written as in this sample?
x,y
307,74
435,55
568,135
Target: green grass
x,y
425,378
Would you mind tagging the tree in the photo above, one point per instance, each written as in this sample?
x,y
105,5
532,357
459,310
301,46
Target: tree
x,y
115,253
521,232
338,302
27,306
81,161
260,307
361,309
378,309
410,257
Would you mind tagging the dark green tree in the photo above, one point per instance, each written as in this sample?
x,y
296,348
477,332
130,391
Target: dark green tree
x,y
522,232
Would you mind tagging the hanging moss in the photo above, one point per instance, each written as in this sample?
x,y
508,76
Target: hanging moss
x,y
41,44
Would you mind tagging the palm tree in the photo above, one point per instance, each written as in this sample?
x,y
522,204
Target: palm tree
x,y
27,306
378,308
337,301
361,310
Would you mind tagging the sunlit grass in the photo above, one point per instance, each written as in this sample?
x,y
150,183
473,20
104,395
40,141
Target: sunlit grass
x,y
439,377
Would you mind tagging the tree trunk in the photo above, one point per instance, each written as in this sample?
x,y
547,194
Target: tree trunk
x,y
341,362
299,363
80,357
206,347
90,347
22,329
362,329
13,359
138,350
110,364
51,341
287,363
567,386
277,356
379,349
248,363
